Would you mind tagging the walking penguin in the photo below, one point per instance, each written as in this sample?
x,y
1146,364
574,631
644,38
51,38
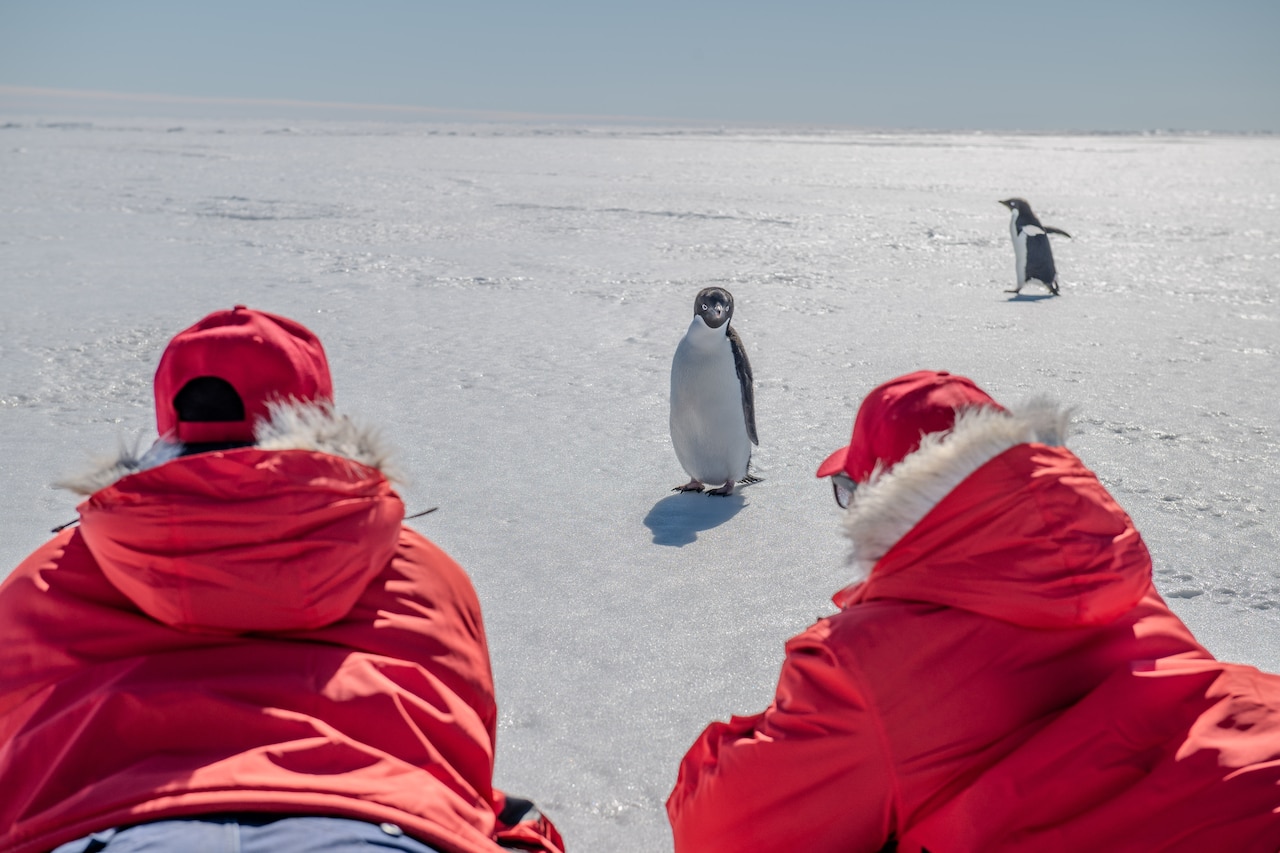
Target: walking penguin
x,y
713,420
1033,257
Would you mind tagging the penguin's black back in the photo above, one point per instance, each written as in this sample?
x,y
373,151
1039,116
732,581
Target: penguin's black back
x,y
1040,259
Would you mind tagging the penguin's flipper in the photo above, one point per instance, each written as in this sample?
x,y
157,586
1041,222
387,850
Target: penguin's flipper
x,y
746,382
1049,229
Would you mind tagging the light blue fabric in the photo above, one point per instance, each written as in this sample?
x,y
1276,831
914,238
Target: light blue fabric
x,y
249,833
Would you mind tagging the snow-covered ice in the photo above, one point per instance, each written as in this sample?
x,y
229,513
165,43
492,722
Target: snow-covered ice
x,y
505,300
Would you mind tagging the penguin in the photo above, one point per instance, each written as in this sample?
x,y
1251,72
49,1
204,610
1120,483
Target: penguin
x,y
1033,257
713,420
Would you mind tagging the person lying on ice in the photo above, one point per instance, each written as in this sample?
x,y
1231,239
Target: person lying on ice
x,y
1005,678
240,646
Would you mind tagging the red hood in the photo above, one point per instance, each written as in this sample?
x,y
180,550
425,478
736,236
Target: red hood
x,y
1029,537
245,540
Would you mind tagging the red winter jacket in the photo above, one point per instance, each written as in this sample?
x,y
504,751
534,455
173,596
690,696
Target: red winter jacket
x,y
248,630
1006,679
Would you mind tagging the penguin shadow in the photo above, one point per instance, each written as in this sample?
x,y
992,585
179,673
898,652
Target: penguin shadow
x,y
677,519
1030,297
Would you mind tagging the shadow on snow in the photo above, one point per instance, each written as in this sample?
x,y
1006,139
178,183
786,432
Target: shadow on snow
x,y
677,519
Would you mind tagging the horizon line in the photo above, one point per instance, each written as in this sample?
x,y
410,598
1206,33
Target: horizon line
x,y
221,100
526,116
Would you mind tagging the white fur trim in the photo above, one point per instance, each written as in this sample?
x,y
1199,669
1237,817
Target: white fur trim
x,y
291,426
106,470
891,503
303,426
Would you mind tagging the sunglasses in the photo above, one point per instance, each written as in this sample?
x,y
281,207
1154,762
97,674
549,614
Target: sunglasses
x,y
843,487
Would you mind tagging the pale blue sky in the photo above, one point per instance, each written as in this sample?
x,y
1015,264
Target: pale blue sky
x,y
1072,65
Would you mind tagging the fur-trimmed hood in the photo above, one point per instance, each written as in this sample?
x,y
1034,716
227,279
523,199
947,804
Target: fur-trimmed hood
x,y
893,502
291,426
996,516
283,535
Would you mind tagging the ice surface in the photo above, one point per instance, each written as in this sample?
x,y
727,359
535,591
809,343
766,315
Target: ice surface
x,y
506,300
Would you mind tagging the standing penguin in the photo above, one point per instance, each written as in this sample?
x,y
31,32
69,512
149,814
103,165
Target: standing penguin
x,y
713,419
1034,258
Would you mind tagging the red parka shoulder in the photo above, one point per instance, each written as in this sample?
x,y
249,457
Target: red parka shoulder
x,y
1006,679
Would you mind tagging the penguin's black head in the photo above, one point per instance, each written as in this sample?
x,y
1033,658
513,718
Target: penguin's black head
x,y
714,305
1022,215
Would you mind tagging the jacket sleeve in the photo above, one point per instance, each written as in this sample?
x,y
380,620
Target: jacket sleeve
x,y
809,773
521,826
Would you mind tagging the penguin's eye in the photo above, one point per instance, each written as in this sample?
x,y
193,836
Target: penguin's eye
x,y
704,306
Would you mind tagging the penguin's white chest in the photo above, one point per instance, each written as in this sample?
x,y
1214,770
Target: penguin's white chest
x,y
1019,250
708,426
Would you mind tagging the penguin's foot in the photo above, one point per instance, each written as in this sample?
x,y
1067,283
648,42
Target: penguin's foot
x,y
1013,290
724,491
691,486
